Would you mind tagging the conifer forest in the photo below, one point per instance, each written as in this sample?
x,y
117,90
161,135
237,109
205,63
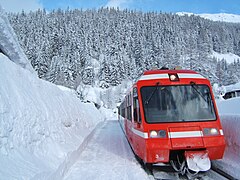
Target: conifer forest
x,y
106,46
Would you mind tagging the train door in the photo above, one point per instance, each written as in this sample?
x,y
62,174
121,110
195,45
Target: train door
x,y
127,119
137,124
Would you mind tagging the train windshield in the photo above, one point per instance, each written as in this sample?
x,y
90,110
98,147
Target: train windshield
x,y
177,103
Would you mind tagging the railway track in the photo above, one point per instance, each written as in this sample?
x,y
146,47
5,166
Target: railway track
x,y
167,173
224,174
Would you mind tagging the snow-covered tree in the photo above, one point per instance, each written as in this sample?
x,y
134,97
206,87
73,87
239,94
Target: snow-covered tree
x,y
61,44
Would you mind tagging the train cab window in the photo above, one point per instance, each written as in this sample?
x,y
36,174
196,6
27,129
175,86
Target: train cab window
x,y
177,103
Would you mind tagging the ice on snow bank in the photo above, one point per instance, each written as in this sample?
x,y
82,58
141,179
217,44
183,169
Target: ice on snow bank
x,y
9,43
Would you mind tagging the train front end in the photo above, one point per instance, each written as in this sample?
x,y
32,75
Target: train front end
x,y
180,120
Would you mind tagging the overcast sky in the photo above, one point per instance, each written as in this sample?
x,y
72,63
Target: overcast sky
x,y
194,6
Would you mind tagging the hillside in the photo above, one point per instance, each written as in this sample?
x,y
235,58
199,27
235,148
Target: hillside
x,y
106,46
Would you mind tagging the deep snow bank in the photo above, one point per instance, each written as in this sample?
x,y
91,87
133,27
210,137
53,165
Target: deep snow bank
x,y
39,123
230,117
229,106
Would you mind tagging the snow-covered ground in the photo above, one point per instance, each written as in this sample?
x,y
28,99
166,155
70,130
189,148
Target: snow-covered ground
x,y
107,156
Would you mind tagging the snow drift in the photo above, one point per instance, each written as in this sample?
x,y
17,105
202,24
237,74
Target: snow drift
x,y
230,118
39,122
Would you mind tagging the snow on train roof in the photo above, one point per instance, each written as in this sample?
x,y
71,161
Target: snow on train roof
x,y
166,71
164,74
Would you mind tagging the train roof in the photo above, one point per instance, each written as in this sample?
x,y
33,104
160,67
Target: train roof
x,y
167,71
165,74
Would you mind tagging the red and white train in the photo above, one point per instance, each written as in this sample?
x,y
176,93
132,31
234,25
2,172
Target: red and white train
x,y
170,116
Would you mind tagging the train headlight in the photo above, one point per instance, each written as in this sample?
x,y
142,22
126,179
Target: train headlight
x,y
153,134
158,134
173,77
210,131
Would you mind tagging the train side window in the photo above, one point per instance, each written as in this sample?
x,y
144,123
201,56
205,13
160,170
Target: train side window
x,y
128,108
122,107
137,117
136,108
129,113
123,112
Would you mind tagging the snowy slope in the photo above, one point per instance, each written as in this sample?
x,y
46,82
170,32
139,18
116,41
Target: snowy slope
x,y
234,18
229,57
224,17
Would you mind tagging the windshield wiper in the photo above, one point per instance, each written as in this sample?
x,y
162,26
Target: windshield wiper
x,y
196,90
153,92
